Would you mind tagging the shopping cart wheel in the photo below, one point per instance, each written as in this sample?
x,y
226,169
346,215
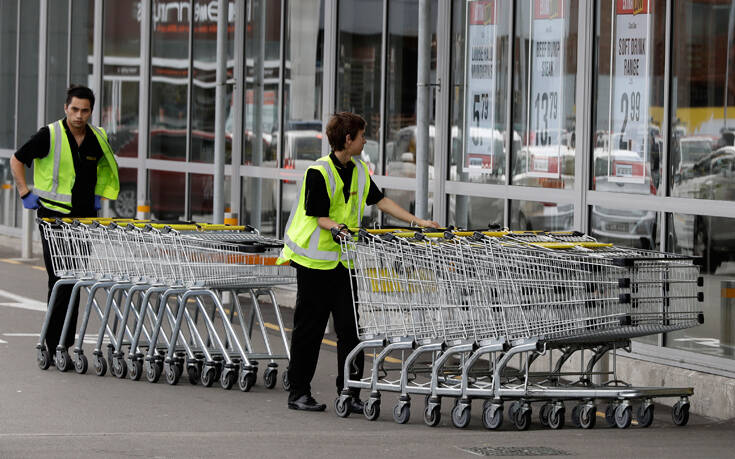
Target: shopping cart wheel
x,y
43,359
152,371
432,412
119,368
587,416
209,374
512,409
342,405
492,415
645,414
543,413
246,381
284,380
136,370
461,414
192,371
610,414
173,373
100,365
270,377
680,413
227,379
371,410
623,416
81,364
556,416
63,361
402,412
522,418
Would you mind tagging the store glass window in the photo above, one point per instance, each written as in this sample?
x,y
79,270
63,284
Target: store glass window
x,y
259,204
541,216
121,79
263,71
626,227
544,104
169,81
702,142
82,39
629,73
8,44
475,212
204,79
167,194
201,196
479,96
57,46
125,205
712,239
359,66
28,73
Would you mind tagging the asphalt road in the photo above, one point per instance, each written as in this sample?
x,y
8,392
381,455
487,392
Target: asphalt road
x,y
53,414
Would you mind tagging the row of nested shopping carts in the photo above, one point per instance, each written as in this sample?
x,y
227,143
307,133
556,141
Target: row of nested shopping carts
x,y
469,316
158,291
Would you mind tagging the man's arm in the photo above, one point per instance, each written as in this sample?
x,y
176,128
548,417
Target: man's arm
x,y
390,207
19,175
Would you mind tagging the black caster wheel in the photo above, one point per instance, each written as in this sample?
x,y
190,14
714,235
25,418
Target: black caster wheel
x,y
270,377
342,406
173,373
461,414
556,417
623,416
512,409
522,418
227,379
136,370
492,415
192,371
284,380
100,365
152,371
588,416
371,410
63,361
645,415
81,364
432,414
208,377
680,413
43,359
402,412
119,368
543,414
110,357
610,414
246,381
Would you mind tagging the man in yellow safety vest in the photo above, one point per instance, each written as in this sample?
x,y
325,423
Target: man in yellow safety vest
x,y
73,169
333,196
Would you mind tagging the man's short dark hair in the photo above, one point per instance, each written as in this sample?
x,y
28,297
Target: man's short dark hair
x,y
80,92
341,124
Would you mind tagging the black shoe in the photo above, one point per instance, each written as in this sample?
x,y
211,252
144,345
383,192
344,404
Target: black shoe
x,y
356,406
306,403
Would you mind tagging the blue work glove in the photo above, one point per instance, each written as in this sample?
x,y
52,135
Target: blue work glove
x,y
30,200
97,202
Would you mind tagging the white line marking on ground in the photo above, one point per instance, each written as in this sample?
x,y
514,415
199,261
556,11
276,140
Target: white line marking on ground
x,y
3,342
23,335
22,302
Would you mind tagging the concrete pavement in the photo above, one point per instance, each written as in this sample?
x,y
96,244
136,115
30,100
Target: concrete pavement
x,y
53,414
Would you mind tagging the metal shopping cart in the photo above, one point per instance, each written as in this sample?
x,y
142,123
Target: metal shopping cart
x,y
494,297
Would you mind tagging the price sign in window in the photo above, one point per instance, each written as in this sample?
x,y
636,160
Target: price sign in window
x,y
627,144
545,139
482,141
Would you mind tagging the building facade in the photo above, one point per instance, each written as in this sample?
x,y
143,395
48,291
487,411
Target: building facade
x,y
612,117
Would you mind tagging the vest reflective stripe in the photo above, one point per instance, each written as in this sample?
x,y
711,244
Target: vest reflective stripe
x,y
361,179
59,131
330,176
312,251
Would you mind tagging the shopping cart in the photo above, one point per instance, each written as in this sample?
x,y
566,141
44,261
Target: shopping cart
x,y
502,296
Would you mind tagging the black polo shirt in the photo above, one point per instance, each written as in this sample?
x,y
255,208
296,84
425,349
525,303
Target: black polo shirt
x,y
317,198
85,158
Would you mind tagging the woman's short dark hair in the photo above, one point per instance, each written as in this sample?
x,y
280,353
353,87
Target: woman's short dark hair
x,y
80,92
341,124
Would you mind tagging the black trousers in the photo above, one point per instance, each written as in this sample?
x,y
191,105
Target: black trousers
x,y
61,304
321,292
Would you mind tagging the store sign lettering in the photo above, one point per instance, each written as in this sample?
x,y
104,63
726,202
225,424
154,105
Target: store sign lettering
x,y
178,12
